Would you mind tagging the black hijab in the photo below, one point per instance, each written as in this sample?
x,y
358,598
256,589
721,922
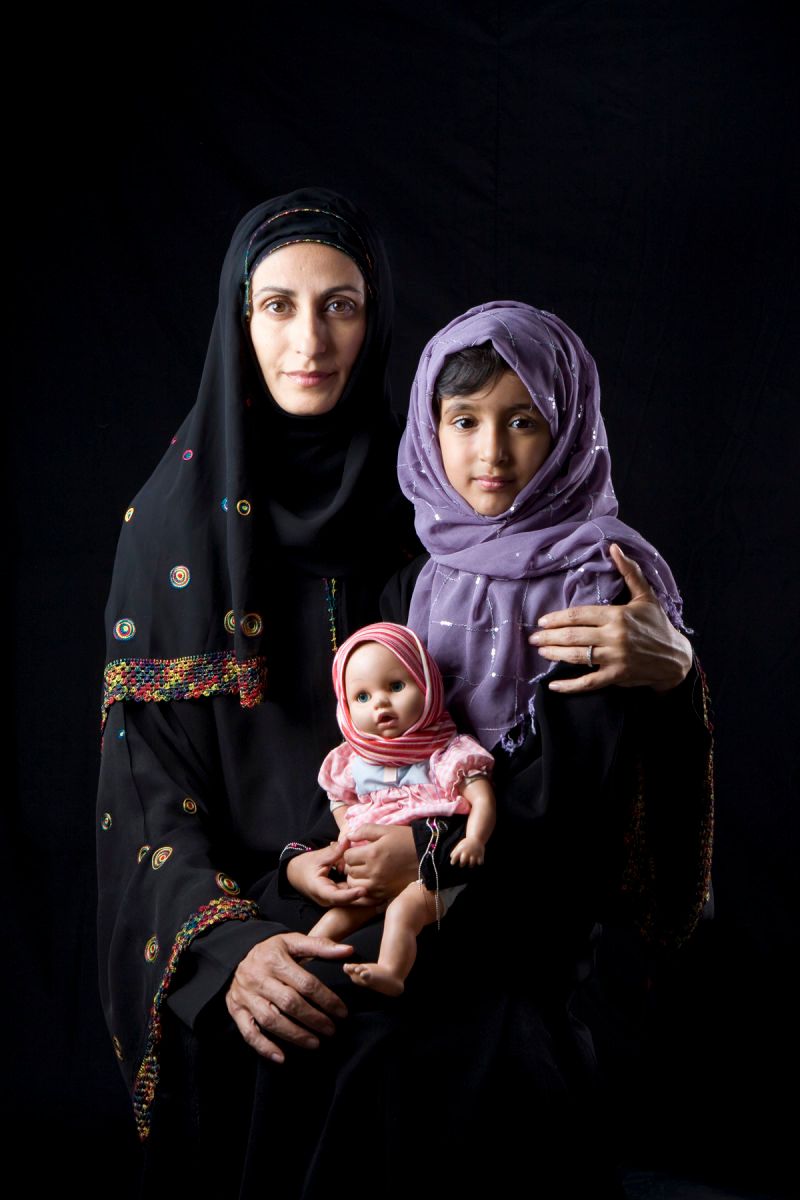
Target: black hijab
x,y
246,489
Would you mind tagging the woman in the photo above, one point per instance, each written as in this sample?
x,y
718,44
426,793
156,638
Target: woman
x,y
260,542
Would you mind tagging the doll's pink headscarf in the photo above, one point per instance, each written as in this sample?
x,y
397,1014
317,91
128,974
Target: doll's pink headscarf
x,y
431,732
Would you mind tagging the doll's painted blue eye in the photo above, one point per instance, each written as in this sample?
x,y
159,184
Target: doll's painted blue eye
x,y
362,697
397,685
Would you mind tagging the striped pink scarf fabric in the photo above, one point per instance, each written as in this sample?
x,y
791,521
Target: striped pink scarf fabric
x,y
431,732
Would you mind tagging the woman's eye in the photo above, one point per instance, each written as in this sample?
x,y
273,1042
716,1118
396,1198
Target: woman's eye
x,y
397,686
337,307
362,697
277,307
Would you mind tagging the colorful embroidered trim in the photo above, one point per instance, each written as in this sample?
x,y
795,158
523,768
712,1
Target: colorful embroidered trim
x,y
216,673
330,604
144,1089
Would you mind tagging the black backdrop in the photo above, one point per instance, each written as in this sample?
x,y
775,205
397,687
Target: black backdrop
x,y
628,165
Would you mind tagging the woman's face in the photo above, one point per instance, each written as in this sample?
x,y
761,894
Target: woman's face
x,y
492,442
307,325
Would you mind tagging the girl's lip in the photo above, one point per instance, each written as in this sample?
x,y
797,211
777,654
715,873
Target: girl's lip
x,y
386,718
491,483
309,378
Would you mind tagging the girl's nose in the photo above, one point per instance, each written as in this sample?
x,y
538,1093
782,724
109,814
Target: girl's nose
x,y
310,334
493,447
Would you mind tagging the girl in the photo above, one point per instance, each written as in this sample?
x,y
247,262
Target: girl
x,y
506,462
401,760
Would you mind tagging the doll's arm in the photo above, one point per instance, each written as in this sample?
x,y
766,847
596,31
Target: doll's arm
x,y
470,850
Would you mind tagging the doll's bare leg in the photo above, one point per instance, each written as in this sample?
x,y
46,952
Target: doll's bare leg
x,y
336,923
406,917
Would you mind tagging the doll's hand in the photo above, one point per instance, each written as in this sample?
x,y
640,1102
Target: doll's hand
x,y
633,644
385,864
468,852
309,874
272,994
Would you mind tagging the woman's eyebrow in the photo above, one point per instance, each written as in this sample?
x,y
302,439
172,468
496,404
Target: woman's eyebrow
x,y
284,291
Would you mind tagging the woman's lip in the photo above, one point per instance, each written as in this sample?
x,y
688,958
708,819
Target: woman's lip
x,y
491,483
309,378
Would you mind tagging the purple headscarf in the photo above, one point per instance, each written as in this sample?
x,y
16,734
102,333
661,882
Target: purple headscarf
x,y
489,579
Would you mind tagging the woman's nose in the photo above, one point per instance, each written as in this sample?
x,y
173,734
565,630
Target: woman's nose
x,y
310,334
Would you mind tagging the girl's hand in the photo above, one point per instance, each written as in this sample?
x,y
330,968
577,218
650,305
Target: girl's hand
x,y
633,644
385,865
468,852
271,992
309,874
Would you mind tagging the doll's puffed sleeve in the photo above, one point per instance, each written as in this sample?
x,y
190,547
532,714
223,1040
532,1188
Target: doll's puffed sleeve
x,y
169,881
460,758
336,777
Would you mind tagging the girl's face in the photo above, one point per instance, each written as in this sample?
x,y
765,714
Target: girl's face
x,y
493,442
382,697
307,324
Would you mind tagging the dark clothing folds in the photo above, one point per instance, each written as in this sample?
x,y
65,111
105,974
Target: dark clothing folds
x,y
602,813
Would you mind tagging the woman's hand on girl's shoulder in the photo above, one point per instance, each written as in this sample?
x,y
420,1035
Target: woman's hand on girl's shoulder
x,y
309,874
272,994
630,645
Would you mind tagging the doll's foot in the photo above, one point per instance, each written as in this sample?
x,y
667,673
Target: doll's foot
x,y
373,976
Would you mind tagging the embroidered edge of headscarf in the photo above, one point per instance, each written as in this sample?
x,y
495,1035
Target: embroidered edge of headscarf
x,y
216,673
640,876
222,908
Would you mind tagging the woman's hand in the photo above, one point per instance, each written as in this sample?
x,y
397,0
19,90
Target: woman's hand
x,y
633,644
309,874
385,865
271,993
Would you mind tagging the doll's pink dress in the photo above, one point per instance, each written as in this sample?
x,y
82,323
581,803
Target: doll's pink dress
x,y
381,795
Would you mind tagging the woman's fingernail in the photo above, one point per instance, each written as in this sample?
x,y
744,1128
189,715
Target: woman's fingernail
x,y
542,621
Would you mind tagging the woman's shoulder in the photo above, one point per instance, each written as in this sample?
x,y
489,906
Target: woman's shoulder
x,y
396,596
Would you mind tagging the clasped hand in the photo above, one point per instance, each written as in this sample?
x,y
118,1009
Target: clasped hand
x,y
378,868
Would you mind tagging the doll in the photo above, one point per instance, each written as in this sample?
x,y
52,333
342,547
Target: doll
x,y
401,760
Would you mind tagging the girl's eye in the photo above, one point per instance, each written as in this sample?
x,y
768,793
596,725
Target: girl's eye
x,y
397,685
464,422
362,697
523,423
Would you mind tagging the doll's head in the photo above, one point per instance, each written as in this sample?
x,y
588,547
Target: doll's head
x,y
381,694
390,694
492,437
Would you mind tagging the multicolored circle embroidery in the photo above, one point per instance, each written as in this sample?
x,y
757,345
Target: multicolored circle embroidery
x,y
105,821
230,621
161,856
117,1044
179,576
244,508
129,514
189,806
224,503
142,853
124,629
187,454
227,885
151,949
252,624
